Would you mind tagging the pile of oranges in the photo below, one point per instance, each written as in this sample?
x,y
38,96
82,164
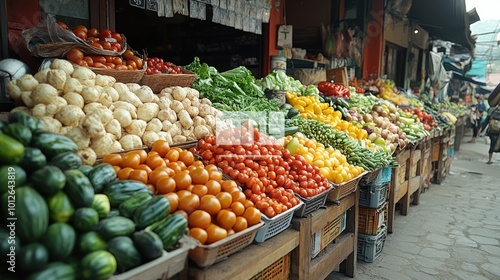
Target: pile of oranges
x,y
215,208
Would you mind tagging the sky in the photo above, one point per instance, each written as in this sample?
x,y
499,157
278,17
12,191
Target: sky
x,y
487,9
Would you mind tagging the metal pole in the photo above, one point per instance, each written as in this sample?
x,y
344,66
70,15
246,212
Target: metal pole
x,y
4,40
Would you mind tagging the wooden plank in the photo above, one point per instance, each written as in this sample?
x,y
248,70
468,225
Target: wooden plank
x,y
416,191
414,185
259,256
401,191
301,256
331,256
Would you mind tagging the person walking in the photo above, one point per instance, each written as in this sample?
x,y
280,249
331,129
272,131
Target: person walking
x,y
476,117
493,130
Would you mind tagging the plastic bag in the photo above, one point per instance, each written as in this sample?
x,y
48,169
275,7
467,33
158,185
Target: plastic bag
x,y
48,31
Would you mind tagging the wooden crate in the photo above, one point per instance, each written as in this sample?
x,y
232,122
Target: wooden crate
x,y
342,251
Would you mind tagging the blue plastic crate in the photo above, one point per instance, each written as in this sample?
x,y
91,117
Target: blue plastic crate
x,y
384,176
370,246
373,196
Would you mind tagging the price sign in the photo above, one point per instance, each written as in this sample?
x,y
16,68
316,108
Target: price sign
x,y
137,3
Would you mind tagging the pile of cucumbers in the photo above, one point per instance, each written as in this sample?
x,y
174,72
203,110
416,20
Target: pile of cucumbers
x,y
67,220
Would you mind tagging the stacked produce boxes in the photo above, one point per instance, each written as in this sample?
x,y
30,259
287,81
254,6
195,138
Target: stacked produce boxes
x,y
373,194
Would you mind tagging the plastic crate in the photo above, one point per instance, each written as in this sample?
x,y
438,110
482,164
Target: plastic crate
x,y
370,246
373,195
164,267
370,220
206,255
384,176
275,225
312,204
278,270
369,176
342,190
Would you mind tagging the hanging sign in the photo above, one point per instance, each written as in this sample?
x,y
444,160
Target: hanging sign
x,y
285,37
152,5
137,3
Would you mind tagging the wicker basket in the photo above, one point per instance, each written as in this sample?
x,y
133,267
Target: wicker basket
x,y
60,49
157,82
206,255
122,76
344,189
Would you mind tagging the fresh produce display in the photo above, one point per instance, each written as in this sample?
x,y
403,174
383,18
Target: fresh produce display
x,y
156,65
269,175
356,155
427,120
127,61
63,220
213,207
101,39
311,108
233,90
331,89
388,92
411,126
103,116
278,80
332,164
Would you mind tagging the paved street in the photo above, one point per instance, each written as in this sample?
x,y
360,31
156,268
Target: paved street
x,y
454,233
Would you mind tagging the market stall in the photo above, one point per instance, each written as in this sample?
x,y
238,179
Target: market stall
x,y
146,169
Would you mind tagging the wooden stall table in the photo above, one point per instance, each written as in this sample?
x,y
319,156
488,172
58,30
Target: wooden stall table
x,y
415,178
442,164
398,188
250,261
341,253
426,162
436,151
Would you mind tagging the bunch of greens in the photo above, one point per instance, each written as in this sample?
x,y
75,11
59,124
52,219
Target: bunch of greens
x,y
279,80
233,90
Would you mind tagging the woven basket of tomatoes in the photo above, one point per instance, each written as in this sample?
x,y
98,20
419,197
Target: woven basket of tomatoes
x,y
344,189
277,224
160,74
125,68
61,39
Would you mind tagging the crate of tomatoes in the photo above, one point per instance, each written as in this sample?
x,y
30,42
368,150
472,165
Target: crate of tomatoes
x,y
161,74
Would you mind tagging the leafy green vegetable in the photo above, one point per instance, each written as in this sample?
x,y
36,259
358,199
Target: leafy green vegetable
x,y
278,80
233,90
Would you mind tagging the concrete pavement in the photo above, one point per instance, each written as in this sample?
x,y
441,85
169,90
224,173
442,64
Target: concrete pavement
x,y
454,233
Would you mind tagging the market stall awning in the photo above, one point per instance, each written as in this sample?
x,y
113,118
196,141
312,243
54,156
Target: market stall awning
x,y
444,19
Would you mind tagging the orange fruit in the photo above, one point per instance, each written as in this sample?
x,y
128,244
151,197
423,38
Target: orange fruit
x,y
173,199
215,233
213,187
226,219
187,157
199,218
161,147
238,195
124,173
229,185
210,203
131,160
165,185
189,203
182,180
199,190
215,175
225,199
238,208
252,215
139,175
240,224
199,176
155,161
113,159
183,193
172,155
199,234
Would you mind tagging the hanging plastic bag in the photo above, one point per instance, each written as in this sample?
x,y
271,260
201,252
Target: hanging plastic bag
x,y
328,40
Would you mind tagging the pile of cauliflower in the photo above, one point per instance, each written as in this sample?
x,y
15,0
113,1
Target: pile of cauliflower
x,y
103,116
